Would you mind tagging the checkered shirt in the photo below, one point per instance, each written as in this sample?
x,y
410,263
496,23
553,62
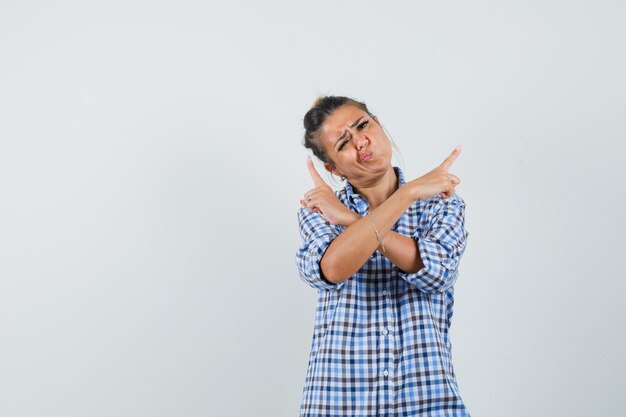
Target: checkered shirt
x,y
380,342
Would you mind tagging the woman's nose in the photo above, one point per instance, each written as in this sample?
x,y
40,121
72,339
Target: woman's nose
x,y
360,141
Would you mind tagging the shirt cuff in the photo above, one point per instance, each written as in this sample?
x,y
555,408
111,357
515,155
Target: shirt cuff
x,y
309,258
440,270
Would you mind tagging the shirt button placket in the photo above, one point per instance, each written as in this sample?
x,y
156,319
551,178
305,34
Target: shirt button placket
x,y
386,354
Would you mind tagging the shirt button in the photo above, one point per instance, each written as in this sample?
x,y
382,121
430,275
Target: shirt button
x,y
385,332
385,292
386,373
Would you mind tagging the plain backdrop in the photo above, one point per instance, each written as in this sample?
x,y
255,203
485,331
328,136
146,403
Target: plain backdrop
x,y
151,167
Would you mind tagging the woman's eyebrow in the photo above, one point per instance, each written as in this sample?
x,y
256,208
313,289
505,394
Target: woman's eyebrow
x,y
345,131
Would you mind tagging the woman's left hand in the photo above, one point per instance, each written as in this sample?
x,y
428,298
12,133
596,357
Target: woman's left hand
x,y
323,200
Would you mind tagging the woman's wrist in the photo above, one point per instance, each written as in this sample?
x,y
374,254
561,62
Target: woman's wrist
x,y
351,217
413,190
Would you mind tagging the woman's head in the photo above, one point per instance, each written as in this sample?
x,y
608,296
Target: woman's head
x,y
316,116
344,134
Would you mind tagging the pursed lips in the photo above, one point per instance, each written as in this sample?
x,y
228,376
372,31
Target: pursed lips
x,y
364,156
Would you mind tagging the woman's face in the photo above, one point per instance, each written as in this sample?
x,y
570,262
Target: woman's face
x,y
356,143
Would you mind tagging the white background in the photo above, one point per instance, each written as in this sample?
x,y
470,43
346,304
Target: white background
x,y
151,166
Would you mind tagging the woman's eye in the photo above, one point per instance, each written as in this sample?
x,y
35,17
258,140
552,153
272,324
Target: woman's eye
x,y
344,142
362,125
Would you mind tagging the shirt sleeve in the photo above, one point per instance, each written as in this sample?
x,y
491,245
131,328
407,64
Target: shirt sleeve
x,y
441,242
316,234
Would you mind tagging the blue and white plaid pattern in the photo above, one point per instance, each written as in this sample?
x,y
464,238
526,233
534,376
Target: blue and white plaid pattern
x,y
380,342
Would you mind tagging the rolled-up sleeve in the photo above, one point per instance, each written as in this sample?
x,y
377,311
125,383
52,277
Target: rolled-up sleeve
x,y
316,234
441,241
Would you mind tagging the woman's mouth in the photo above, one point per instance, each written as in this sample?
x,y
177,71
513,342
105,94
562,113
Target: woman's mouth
x,y
365,156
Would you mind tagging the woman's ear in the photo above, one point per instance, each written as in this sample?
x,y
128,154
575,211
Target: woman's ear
x,y
331,169
376,120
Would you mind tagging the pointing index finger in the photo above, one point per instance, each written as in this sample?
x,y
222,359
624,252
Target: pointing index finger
x,y
447,163
317,180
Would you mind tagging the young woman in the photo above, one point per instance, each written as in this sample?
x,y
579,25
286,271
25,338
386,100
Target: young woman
x,y
383,254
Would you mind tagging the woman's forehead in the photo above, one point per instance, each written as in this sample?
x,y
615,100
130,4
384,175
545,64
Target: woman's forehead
x,y
341,119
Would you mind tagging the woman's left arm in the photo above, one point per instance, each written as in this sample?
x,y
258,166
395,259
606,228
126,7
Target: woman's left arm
x,y
441,242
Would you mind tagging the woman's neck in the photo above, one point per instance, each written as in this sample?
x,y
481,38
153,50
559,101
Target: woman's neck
x,y
379,189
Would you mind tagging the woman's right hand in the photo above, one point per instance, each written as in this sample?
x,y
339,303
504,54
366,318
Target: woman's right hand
x,y
323,200
438,181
